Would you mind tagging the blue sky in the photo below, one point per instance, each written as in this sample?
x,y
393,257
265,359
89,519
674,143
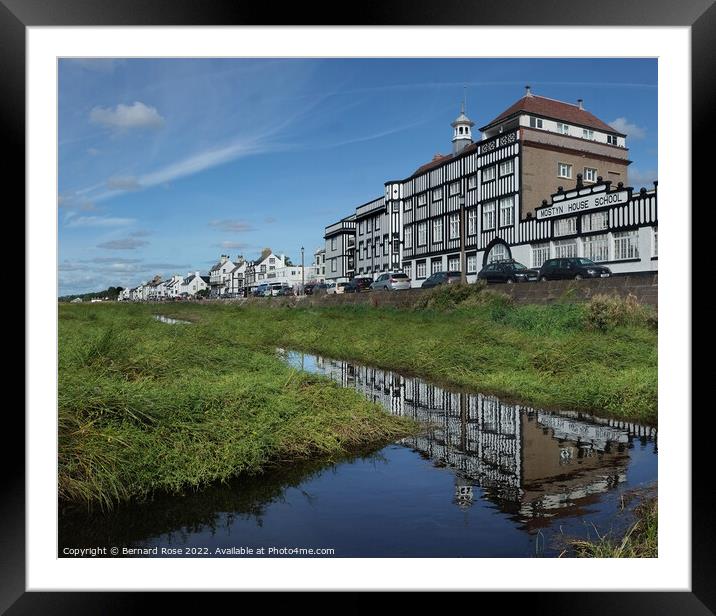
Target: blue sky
x,y
166,164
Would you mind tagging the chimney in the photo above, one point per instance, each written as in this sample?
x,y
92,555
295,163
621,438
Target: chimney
x,y
580,103
196,274
528,91
224,258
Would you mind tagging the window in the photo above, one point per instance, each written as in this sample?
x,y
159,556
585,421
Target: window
x,y
386,245
471,264
563,128
488,215
507,211
564,170
454,188
612,139
596,247
626,245
334,266
333,243
360,228
565,226
453,264
472,181
408,269
376,223
655,242
408,204
454,226
535,122
422,199
472,221
590,174
422,233
587,133
540,253
376,247
437,193
437,230
420,268
408,236
595,222
497,253
272,260
507,167
488,173
396,206
565,248
436,265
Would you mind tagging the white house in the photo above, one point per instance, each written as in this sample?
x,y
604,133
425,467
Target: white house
x,y
193,283
219,275
172,286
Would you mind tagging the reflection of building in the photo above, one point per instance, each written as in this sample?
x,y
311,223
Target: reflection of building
x,y
532,463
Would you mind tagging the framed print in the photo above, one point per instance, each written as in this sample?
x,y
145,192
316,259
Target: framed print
x,y
318,306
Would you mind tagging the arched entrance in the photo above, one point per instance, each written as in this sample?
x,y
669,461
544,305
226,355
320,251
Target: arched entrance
x,y
497,250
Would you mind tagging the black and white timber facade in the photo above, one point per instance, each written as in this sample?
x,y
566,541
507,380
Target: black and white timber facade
x,y
464,210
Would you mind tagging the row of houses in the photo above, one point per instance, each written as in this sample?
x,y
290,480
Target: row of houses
x,y
231,278
546,179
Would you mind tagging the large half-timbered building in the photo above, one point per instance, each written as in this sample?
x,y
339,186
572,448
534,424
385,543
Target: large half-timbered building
x,y
547,179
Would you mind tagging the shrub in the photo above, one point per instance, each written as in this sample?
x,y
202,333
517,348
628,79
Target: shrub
x,y
451,296
604,312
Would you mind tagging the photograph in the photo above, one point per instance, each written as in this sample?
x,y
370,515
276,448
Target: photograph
x,y
357,307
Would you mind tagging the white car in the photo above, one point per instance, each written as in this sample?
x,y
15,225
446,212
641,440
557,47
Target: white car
x,y
336,287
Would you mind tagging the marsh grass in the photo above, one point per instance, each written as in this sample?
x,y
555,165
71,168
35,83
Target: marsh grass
x,y
639,541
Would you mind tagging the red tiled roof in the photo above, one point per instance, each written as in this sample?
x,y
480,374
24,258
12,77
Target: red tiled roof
x,y
556,110
440,159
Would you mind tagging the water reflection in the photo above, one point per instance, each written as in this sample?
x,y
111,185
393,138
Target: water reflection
x,y
170,321
534,464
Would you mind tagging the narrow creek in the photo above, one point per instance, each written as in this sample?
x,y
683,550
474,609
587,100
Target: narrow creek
x,y
490,479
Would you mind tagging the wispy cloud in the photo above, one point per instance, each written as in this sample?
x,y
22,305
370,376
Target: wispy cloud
x,y
229,245
126,117
630,129
234,226
98,221
123,183
128,243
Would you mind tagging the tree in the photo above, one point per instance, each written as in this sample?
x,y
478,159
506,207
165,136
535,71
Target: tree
x,y
288,261
265,253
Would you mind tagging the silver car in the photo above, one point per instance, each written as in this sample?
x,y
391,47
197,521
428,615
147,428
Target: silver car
x,y
391,282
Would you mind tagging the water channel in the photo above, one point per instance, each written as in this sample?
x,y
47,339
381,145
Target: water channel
x,y
489,479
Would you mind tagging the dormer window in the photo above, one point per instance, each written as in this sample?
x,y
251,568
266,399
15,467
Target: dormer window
x,y
612,139
535,122
563,128
588,134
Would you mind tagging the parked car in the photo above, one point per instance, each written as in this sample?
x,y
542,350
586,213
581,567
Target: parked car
x,y
391,282
318,289
262,290
572,268
286,291
439,278
308,289
356,285
508,271
336,287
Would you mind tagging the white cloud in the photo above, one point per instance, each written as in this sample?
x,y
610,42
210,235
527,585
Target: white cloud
x,y
124,117
236,226
98,221
630,129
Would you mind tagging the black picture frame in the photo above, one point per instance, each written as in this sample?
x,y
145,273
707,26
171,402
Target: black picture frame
x,y
17,15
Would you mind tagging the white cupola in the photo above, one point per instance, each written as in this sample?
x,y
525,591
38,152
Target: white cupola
x,y
462,131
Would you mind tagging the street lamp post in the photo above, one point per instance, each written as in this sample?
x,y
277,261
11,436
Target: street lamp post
x,y
303,273
463,275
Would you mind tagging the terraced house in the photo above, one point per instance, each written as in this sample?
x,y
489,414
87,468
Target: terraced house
x,y
546,179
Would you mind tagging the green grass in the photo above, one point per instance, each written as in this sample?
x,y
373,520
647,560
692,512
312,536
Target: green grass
x,y
640,540
147,406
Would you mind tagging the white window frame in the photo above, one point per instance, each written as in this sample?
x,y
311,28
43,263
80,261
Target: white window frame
x,y
407,270
655,242
454,188
472,221
437,230
507,211
562,128
437,193
564,170
488,215
564,249
436,265
453,264
497,253
588,133
472,181
489,173
596,221
592,172
422,199
626,245
596,247
471,264
333,243
535,122
422,233
408,236
612,139
507,167
454,226
540,253
565,226
420,265
334,264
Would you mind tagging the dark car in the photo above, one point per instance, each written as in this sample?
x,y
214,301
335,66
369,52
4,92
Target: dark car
x,y
572,268
356,285
439,278
286,292
319,288
508,271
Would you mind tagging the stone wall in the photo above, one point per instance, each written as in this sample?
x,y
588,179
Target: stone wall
x,y
643,286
